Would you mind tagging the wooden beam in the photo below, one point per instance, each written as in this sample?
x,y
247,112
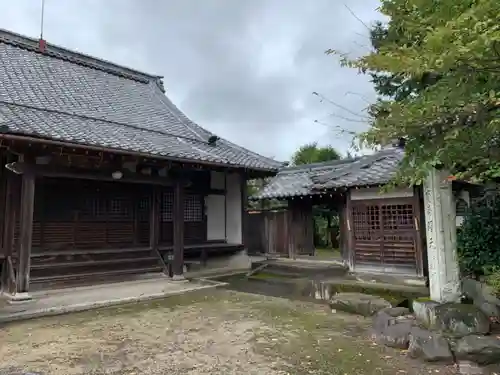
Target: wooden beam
x,y
62,144
99,175
10,216
25,232
178,228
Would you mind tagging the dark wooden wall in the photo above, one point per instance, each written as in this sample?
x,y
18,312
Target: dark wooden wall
x,y
87,214
284,232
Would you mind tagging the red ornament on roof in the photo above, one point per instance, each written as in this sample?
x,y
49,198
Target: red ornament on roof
x,y
42,45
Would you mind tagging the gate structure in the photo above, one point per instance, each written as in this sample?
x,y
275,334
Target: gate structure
x,y
386,235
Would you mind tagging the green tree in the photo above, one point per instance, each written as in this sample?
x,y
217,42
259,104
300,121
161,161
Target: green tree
x,y
324,218
312,153
443,59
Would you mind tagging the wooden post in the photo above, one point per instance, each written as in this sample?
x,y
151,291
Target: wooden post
x,y
25,234
178,217
11,213
244,204
292,243
154,221
419,231
351,256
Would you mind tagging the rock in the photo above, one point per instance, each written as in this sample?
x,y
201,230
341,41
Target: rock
x,y
459,320
491,310
424,312
483,297
395,336
479,292
358,303
483,350
389,316
391,327
429,346
471,368
381,321
397,311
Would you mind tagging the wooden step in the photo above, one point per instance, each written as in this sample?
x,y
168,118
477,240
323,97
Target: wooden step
x,y
94,275
95,263
83,252
105,265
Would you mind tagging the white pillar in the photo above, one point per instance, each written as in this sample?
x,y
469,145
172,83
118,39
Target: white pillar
x,y
440,224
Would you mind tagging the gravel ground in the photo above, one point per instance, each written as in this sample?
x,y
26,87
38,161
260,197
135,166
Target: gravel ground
x,y
224,333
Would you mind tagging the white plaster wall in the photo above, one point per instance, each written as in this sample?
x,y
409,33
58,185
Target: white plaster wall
x,y
376,193
216,219
233,209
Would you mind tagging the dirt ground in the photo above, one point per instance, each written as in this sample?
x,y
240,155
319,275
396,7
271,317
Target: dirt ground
x,y
224,333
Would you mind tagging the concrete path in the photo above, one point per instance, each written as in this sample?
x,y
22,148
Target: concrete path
x,y
67,300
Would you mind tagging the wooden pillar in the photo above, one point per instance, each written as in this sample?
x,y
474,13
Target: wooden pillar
x,y
178,217
292,239
154,219
25,234
343,232
244,205
350,251
10,216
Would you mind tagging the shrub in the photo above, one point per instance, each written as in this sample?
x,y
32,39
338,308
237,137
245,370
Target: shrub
x,y
478,240
493,278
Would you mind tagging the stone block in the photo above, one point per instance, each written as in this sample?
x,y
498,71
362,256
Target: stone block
x,y
429,346
460,320
358,303
483,350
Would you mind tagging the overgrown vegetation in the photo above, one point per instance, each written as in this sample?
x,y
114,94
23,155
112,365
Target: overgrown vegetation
x,y
436,66
478,241
493,279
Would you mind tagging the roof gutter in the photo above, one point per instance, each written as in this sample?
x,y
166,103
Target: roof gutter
x,y
15,137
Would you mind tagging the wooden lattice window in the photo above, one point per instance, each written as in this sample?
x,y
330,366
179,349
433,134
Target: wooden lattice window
x,y
93,208
119,208
143,209
193,208
366,221
397,216
167,206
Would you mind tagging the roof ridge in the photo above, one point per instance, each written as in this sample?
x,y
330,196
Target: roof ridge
x,y
58,52
318,165
181,116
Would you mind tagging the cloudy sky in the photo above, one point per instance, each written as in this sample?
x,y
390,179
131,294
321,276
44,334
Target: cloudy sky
x,y
244,69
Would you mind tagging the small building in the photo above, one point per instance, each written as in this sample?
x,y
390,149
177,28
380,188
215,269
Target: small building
x,y
101,174
381,232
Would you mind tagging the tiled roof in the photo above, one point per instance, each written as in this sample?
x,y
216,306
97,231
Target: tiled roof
x,y
376,169
67,96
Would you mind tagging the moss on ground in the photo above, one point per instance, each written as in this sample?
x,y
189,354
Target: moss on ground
x,y
296,337
394,296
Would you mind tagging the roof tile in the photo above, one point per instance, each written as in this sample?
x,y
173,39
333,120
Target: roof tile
x,y
75,99
368,170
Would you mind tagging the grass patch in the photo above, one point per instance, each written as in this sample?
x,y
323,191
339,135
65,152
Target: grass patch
x,y
269,276
327,253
